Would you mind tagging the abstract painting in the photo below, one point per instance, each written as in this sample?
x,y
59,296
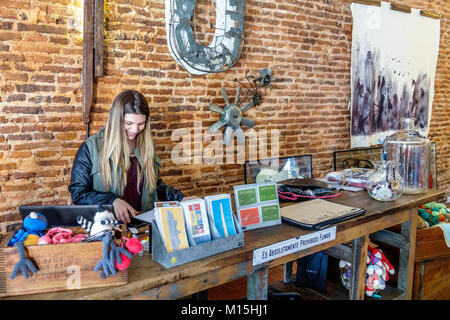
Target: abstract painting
x,y
394,57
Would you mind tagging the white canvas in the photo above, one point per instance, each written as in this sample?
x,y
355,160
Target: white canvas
x,y
394,57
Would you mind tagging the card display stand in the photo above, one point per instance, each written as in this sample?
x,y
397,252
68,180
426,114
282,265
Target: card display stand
x,y
206,249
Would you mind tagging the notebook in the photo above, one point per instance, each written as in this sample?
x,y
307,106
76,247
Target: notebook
x,y
318,213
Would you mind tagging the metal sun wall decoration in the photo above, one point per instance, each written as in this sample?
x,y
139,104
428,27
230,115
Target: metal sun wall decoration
x,y
232,113
226,46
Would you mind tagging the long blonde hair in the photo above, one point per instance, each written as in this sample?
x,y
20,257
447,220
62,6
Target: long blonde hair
x,y
115,153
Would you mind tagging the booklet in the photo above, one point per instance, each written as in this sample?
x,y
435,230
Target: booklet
x,y
170,223
221,214
318,213
196,218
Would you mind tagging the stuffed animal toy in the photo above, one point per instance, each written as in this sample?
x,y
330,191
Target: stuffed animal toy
x,y
377,272
24,263
134,246
374,281
111,255
377,258
346,273
104,221
33,226
103,227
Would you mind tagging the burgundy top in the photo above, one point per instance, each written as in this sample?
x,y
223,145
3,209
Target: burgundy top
x,y
131,194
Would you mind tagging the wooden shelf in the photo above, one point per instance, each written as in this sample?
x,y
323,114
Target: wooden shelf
x,y
335,290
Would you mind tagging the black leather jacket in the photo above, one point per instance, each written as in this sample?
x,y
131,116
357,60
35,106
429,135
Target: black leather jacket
x,y
81,183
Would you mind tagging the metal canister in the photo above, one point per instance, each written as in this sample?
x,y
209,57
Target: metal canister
x,y
412,153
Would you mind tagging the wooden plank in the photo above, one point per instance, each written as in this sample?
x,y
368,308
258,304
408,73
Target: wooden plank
x,y
368,2
341,251
257,284
174,289
400,7
334,291
88,59
357,287
430,244
430,14
287,272
145,274
68,266
406,257
435,280
98,37
417,283
391,238
2,273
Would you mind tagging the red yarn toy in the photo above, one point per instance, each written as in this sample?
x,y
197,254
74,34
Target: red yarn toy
x,y
134,246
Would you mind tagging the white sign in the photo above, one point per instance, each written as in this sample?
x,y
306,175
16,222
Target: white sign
x,y
286,247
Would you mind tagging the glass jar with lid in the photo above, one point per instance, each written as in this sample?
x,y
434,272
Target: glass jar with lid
x,y
411,152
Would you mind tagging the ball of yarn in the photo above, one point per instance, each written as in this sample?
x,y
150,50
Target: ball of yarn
x,y
134,246
125,262
31,240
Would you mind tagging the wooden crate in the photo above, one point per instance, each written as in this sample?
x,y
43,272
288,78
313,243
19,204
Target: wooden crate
x,y
430,244
61,267
432,266
432,280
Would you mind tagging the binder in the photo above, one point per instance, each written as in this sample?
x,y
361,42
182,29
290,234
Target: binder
x,y
318,214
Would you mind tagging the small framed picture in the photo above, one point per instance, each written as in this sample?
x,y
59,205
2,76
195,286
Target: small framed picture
x,y
277,169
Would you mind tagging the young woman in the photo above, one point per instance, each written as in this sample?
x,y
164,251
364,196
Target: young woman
x,y
119,165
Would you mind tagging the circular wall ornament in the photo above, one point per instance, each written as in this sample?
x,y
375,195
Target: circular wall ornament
x,y
224,50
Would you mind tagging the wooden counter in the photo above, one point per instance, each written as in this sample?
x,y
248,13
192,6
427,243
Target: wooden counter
x,y
149,280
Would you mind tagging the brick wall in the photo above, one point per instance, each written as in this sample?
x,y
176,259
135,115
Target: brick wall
x,y
307,44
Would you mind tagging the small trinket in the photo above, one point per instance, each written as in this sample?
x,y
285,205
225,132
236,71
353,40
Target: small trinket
x,y
385,184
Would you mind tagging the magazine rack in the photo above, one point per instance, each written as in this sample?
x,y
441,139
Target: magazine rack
x,y
205,249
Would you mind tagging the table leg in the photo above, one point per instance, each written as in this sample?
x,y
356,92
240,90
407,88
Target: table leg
x,y
287,272
358,283
257,284
407,255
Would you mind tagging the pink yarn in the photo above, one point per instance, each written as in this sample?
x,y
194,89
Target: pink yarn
x,y
60,235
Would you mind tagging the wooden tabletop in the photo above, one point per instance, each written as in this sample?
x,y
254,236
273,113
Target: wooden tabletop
x,y
149,280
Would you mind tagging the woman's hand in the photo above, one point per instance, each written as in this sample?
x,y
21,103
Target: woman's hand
x,y
123,210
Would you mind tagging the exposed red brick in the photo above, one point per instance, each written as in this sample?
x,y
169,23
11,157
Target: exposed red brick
x,y
307,44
